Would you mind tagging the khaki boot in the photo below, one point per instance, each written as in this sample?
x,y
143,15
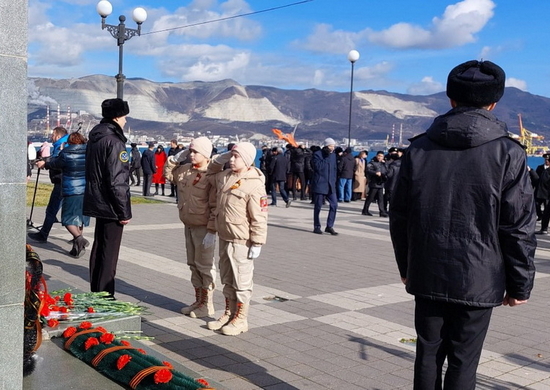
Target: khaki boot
x,y
239,322
188,309
230,308
205,307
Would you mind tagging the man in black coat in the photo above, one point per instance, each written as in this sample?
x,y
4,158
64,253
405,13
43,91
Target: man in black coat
x,y
107,194
297,168
278,170
377,175
462,223
148,167
542,193
135,165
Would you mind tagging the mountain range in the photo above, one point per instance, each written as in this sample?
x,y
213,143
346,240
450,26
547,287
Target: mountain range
x,y
227,108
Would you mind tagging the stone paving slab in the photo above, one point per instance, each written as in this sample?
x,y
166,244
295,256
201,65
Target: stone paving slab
x,y
343,314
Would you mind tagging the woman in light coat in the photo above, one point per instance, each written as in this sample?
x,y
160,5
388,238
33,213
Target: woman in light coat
x,y
359,178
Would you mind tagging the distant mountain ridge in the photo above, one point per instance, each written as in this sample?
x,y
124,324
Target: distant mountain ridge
x,y
225,107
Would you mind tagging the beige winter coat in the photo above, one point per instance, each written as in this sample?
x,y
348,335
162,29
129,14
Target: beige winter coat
x,y
359,178
241,206
196,196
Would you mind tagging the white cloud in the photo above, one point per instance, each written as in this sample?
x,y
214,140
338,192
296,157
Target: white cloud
x,y
458,26
513,82
427,86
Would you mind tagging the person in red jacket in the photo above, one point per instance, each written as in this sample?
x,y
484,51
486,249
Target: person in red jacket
x,y
158,176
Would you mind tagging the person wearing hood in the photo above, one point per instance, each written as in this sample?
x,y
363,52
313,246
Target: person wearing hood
x,y
107,192
241,224
196,204
462,223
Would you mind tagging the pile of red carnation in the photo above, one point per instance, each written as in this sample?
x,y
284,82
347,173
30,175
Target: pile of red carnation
x,y
123,363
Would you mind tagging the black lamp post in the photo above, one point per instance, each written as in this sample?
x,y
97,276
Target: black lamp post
x,y
353,56
121,34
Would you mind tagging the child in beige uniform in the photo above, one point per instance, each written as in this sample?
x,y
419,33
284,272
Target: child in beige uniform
x,y
196,204
241,223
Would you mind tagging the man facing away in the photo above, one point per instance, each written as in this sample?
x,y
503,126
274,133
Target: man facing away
x,y
148,167
107,194
462,222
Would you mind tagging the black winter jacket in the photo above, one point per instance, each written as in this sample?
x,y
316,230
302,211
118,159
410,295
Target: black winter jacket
x,y
148,164
462,216
346,166
107,193
297,160
374,166
279,167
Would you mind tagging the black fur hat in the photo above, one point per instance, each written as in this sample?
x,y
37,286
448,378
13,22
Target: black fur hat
x,y
114,108
476,83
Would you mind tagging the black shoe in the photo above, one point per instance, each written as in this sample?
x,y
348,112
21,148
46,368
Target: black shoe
x,y
538,232
273,204
171,195
366,213
331,231
38,236
384,215
317,231
288,202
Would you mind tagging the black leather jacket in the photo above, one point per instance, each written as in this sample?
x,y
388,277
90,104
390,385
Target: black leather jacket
x,y
462,215
107,192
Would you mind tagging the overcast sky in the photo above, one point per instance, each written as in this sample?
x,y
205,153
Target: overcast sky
x,y
405,46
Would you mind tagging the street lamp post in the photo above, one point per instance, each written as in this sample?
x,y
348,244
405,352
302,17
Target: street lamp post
x,y
121,34
353,56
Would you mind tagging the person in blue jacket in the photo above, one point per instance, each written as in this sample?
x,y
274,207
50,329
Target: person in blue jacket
x,y
71,161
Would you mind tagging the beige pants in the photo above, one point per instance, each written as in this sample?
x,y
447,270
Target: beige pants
x,y
199,259
236,271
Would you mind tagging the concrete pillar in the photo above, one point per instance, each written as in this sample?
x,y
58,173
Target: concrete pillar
x,y
13,172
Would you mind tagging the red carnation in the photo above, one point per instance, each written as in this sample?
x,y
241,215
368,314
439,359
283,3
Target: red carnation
x,y
125,343
45,311
122,361
85,325
53,323
167,364
90,343
101,329
56,298
163,376
68,298
90,310
202,382
63,309
142,351
107,338
69,332
54,308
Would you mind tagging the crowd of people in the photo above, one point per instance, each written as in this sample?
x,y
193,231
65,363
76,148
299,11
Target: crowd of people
x,y
463,237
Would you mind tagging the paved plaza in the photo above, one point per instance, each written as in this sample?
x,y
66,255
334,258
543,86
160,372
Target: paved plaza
x,y
328,312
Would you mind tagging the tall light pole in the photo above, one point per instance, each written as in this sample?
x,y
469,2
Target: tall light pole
x,y
353,56
121,34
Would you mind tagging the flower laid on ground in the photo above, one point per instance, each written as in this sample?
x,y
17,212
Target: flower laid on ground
x,y
123,363
64,306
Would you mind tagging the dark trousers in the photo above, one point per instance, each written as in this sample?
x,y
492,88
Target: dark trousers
x,y
545,216
147,181
284,195
452,331
54,205
377,193
135,171
104,255
301,176
318,200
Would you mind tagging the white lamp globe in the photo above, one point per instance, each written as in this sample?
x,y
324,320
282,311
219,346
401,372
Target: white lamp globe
x,y
139,15
353,56
104,8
